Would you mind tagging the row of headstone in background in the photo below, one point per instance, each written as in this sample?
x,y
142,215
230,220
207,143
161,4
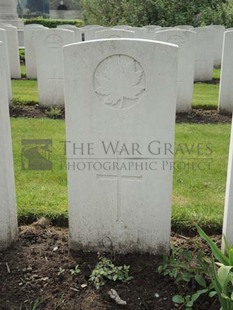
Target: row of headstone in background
x,y
8,213
186,41
50,80
49,58
51,92
49,45
13,50
30,51
205,56
208,44
148,32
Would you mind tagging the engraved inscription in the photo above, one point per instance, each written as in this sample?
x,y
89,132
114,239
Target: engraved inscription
x,y
54,41
119,82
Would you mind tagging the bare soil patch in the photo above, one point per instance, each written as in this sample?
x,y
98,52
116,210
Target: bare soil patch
x,y
197,116
29,272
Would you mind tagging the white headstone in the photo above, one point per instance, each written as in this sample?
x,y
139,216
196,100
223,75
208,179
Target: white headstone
x,y
219,44
186,40
124,94
140,33
151,30
89,33
21,37
114,33
152,27
204,59
228,210
49,45
125,27
30,53
4,50
77,31
66,26
91,26
225,104
167,28
13,49
185,27
8,213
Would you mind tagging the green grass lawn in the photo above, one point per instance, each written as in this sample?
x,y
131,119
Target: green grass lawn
x,y
198,192
43,192
23,70
216,73
25,91
205,96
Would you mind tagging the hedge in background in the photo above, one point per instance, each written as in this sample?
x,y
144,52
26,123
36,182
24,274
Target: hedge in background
x,y
159,12
53,23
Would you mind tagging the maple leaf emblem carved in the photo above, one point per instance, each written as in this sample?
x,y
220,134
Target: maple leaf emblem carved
x,y
119,81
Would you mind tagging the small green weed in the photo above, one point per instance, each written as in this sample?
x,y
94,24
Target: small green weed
x,y
37,305
75,271
54,113
105,269
185,267
61,271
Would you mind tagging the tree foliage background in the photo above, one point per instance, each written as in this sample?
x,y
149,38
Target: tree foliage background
x,y
159,12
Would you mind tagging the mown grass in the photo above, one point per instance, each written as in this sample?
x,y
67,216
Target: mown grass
x,y
198,193
199,190
40,192
25,91
23,70
204,95
216,73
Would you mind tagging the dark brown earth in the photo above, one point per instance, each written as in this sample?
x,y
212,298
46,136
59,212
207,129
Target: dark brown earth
x,y
29,272
197,116
33,111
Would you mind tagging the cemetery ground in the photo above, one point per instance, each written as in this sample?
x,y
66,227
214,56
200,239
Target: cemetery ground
x,y
39,272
